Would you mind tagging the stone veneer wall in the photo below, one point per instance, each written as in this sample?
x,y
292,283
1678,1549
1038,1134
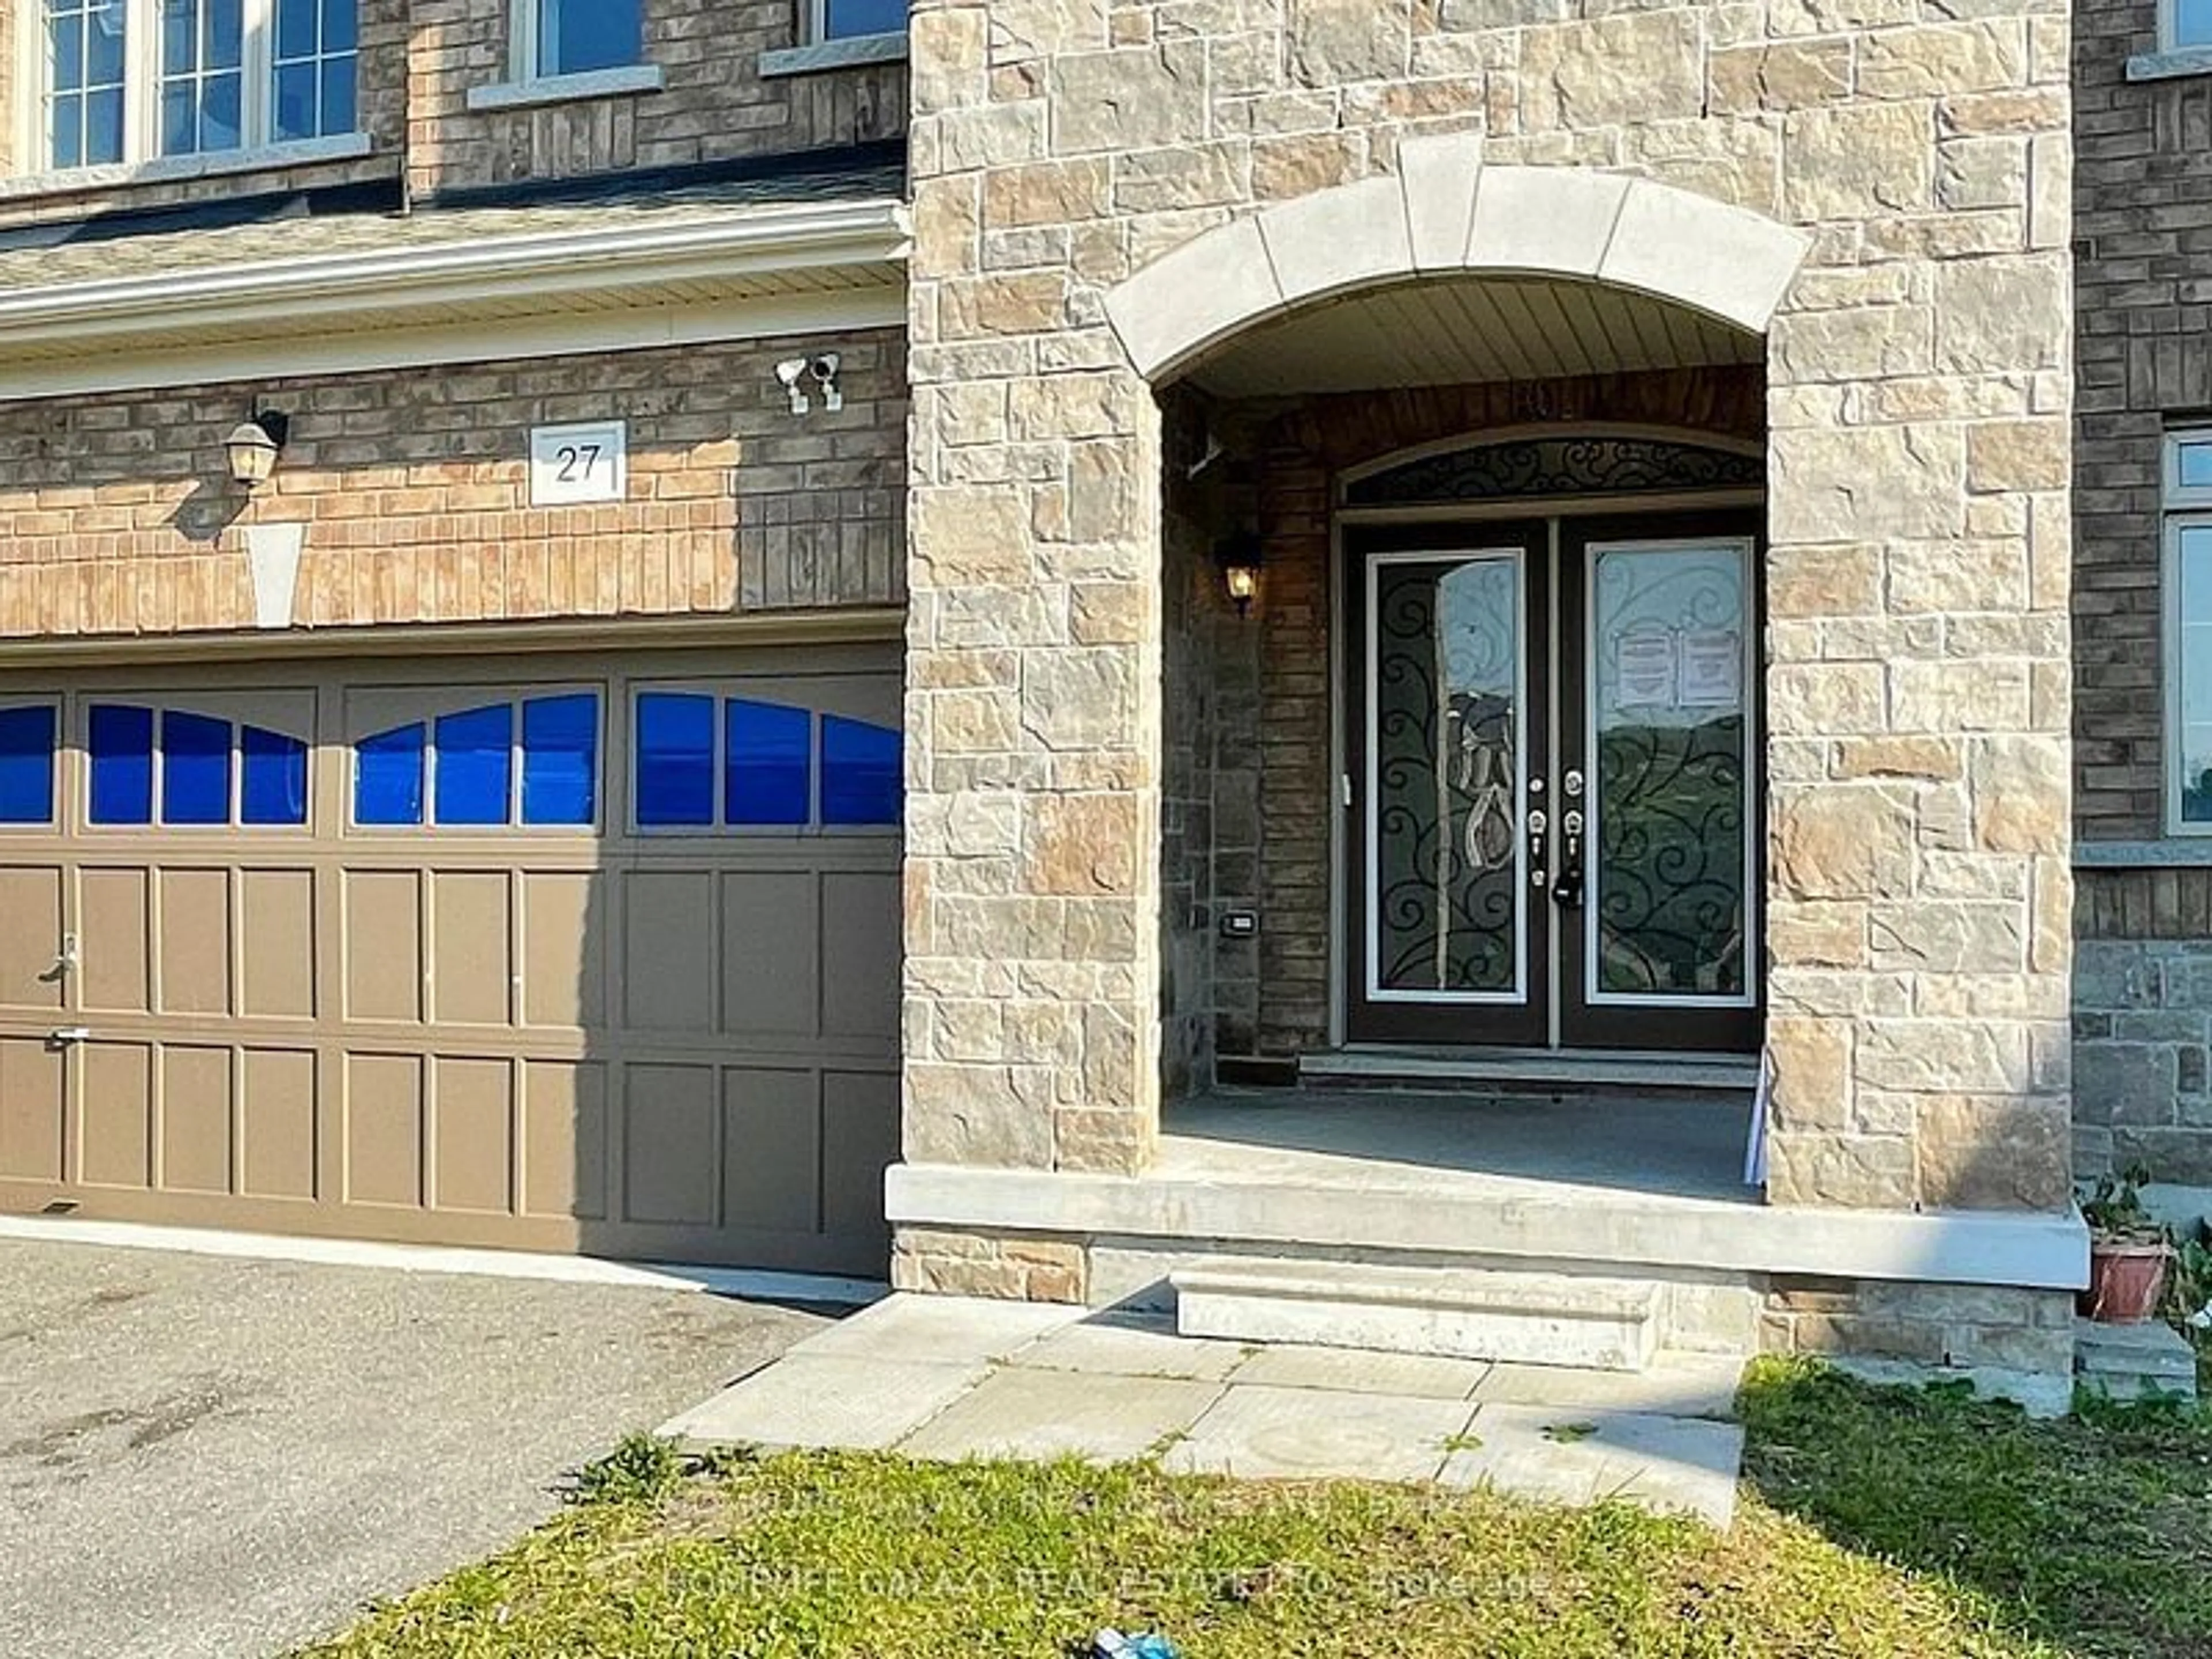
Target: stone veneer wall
x,y
117,516
1918,398
2143,989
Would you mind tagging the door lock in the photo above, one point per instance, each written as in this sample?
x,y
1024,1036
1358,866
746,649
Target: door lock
x,y
1539,822
68,1036
1567,890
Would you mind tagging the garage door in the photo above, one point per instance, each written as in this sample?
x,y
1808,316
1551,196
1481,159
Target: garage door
x,y
575,953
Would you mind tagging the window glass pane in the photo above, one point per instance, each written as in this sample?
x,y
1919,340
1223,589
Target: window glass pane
x,y
771,763
195,769
65,54
2193,670
121,744
222,34
223,123
179,118
273,780
560,759
27,765
179,34
341,25
337,112
84,89
103,127
2192,23
105,34
297,35
66,139
675,759
575,36
843,18
387,779
295,102
2193,459
476,766
861,782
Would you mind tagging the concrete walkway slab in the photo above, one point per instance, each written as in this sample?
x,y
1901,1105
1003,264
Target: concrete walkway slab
x,y
857,1402
941,1330
1263,1433
1675,1386
1356,1371
1034,1414
1130,1347
1569,1456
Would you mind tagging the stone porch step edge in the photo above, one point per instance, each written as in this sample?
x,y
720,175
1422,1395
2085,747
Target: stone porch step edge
x,y
1510,1071
1551,1295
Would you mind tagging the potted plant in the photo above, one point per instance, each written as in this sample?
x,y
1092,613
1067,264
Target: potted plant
x,y
2129,1252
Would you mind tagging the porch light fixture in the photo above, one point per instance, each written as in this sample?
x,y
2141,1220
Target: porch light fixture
x,y
1239,557
252,447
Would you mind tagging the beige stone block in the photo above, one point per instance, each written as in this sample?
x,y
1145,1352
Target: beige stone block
x,y
1082,697
1983,1154
1795,75
1729,262
1855,160
1842,1170
1825,699
1291,168
1613,71
1919,935
1046,192
1943,1056
1868,343
1332,42
1848,842
1737,163
1855,484
2003,314
1082,845
961,536
1935,759
1539,219
1023,31
1943,578
947,58
1959,696
1029,303
1439,177
1074,406
2019,455
1824,582
2050,939
2022,793
1183,176
1935,60
974,1114
1818,934
1338,238
2051,190
1981,173
1812,1060
1795,17
1127,98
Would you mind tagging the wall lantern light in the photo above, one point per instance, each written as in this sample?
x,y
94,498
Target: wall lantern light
x,y
252,447
1239,557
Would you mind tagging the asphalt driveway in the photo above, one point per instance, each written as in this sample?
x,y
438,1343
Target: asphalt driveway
x,y
212,1456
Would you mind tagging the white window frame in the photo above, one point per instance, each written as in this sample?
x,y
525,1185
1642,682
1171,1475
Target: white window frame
x,y
142,100
2183,508
2169,34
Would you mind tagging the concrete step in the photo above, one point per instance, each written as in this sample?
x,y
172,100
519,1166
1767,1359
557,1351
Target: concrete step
x,y
2131,1362
1533,1318
1519,1070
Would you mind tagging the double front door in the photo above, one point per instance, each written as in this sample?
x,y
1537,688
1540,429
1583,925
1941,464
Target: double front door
x,y
1551,783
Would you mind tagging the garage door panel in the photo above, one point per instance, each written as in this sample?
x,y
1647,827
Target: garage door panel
x,y
471,972
384,1129
860,1121
772,1148
668,950
278,1119
117,1113
565,1140
196,1120
115,928
384,946
771,961
30,938
670,1162
33,1105
472,1113
194,924
276,909
860,913
563,941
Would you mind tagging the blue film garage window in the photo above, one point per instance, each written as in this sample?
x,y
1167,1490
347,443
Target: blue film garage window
x,y
561,760
861,772
121,741
195,769
26,764
675,760
770,752
272,778
387,778
474,767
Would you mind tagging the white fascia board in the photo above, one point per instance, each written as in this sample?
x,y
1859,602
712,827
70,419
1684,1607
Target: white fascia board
x,y
329,286
364,349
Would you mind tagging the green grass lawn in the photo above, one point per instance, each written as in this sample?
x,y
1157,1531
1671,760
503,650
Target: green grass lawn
x,y
1876,1522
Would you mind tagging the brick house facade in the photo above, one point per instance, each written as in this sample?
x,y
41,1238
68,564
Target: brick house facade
x,y
1705,371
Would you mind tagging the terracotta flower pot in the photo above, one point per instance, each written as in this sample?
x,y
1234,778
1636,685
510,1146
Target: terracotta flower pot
x,y
2125,1282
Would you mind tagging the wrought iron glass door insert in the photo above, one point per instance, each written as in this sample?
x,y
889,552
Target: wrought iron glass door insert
x,y
1552,783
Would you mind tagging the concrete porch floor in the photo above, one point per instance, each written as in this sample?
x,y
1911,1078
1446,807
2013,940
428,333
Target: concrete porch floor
x,y
950,1378
1655,1145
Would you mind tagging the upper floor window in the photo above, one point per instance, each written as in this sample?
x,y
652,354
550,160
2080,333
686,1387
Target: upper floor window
x,y
137,80
2183,24
2188,589
843,20
575,37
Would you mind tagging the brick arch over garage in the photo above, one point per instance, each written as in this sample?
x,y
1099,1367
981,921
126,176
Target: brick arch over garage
x,y
1445,214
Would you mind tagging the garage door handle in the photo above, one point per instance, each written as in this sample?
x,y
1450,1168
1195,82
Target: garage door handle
x,y
68,1035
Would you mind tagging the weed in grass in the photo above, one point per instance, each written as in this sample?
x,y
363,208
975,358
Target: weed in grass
x,y
642,1469
1567,1434
1460,1442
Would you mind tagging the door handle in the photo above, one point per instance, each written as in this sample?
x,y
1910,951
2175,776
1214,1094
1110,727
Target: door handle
x,y
1539,822
66,962
68,1036
1567,890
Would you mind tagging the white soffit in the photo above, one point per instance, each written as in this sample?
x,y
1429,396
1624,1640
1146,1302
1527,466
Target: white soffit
x,y
1468,330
